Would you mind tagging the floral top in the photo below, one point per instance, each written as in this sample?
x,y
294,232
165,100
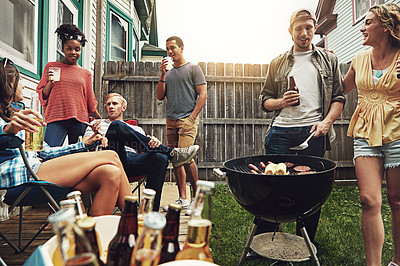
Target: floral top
x,y
377,116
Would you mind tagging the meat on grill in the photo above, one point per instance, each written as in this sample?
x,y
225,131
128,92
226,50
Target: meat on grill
x,y
301,168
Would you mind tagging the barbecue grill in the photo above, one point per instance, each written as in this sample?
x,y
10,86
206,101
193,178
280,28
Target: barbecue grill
x,y
280,198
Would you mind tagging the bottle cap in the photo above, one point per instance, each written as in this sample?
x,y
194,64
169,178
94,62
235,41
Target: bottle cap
x,y
154,220
74,193
205,183
67,202
175,206
86,223
62,215
131,198
199,223
149,192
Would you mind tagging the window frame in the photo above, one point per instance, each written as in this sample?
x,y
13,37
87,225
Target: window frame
x,y
132,31
353,10
52,39
21,64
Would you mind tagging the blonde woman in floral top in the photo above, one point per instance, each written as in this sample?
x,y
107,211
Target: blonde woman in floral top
x,y
375,126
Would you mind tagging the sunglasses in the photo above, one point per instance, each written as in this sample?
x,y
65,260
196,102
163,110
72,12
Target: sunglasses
x,y
7,60
73,37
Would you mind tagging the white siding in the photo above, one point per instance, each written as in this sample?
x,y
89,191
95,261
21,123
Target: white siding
x,y
89,26
29,90
123,5
346,39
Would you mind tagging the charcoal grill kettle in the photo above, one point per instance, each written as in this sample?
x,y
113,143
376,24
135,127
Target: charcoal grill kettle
x,y
280,198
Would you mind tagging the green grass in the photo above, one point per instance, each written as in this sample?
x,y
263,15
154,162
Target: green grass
x,y
339,231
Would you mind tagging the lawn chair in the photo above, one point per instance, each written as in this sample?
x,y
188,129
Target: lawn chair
x,y
139,179
30,193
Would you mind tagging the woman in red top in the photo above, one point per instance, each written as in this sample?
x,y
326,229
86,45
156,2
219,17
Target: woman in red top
x,y
67,102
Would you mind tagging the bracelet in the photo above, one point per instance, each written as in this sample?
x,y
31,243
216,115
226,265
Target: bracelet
x,y
163,81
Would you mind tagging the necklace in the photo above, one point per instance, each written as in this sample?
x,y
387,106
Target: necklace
x,y
379,72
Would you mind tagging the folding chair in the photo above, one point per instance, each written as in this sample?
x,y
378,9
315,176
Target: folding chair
x,y
139,179
30,193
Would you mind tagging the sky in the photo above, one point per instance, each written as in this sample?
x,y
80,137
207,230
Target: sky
x,y
229,31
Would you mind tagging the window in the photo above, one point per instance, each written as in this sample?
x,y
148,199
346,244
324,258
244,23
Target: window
x,y
119,38
64,16
67,12
18,40
135,43
360,8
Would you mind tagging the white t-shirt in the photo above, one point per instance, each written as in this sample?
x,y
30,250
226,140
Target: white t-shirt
x,y
105,124
309,111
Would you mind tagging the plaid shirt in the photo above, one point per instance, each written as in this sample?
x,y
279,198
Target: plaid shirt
x,y
13,171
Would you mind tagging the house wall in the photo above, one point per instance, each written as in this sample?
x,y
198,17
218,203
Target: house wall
x,y
346,40
89,28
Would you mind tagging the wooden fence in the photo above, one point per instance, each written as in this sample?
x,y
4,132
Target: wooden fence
x,y
232,123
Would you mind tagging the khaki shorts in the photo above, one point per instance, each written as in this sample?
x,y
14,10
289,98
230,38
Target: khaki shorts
x,y
182,133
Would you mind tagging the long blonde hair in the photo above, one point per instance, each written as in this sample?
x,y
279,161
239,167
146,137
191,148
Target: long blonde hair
x,y
389,17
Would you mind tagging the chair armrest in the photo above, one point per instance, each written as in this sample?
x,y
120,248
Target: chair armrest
x,y
9,141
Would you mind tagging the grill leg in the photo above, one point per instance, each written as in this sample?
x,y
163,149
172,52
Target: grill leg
x,y
249,240
308,243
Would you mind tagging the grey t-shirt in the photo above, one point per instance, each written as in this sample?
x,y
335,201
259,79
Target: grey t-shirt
x,y
180,85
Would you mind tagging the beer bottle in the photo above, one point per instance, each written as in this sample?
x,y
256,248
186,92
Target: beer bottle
x,y
145,206
148,246
71,238
197,246
79,208
170,245
121,246
88,224
202,201
83,259
293,87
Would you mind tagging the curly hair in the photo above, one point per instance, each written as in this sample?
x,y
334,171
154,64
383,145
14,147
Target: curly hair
x,y
8,74
389,16
70,30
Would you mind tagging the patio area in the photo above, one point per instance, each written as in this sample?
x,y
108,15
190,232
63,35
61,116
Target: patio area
x,y
35,217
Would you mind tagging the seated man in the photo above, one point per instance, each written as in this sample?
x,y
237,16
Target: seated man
x,y
127,140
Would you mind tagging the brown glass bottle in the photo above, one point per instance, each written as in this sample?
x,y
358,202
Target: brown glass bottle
x,y
88,226
293,87
121,246
170,245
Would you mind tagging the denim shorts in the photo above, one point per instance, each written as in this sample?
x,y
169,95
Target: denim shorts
x,y
390,152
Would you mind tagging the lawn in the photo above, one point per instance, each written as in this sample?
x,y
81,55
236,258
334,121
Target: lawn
x,y
339,231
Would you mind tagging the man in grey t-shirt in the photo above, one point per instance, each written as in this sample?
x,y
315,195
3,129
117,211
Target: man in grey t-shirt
x,y
185,88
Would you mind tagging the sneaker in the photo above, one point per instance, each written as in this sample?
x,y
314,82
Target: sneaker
x,y
183,202
190,208
180,156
